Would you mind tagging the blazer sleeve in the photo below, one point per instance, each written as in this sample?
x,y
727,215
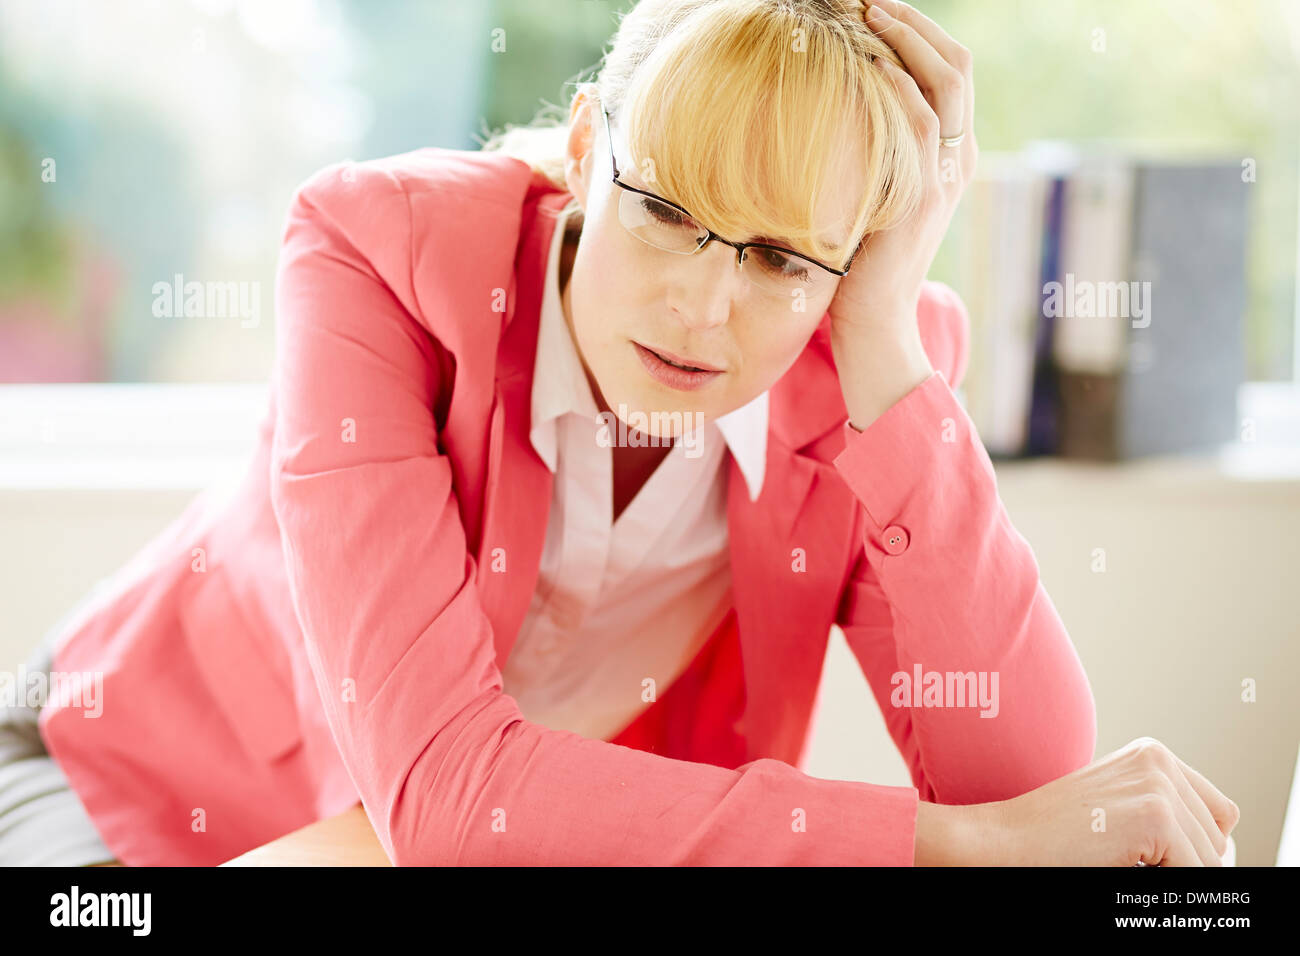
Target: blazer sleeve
x,y
402,653
944,583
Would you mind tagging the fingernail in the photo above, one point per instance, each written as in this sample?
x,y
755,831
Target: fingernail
x,y
875,13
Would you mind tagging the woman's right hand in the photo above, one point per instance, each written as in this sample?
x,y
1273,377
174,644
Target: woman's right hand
x,y
1139,804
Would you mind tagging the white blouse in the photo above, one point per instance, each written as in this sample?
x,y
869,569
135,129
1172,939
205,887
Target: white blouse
x,y
620,604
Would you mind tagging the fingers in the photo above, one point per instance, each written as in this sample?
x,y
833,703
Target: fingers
x,y
950,49
1205,821
1165,838
1195,831
1182,800
943,84
1225,812
942,68
961,58
957,55
1179,852
927,123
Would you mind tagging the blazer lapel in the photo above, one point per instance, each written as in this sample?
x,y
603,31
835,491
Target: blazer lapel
x,y
771,595
519,484
786,599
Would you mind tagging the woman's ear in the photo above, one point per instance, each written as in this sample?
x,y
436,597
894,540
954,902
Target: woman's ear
x,y
579,153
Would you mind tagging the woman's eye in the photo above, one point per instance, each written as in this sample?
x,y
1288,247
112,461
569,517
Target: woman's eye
x,y
784,266
665,214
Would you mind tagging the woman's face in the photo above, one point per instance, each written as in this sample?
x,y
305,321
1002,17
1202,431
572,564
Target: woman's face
x,y
623,293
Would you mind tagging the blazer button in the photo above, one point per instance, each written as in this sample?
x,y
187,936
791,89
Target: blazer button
x,y
895,539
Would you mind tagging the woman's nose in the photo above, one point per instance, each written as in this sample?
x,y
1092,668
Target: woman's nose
x,y
711,286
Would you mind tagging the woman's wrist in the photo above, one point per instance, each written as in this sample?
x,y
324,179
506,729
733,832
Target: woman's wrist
x,y
875,371
974,834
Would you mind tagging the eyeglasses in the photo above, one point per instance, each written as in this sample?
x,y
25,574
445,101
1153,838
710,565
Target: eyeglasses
x,y
667,226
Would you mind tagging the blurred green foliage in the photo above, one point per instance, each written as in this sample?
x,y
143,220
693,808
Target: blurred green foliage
x,y
36,253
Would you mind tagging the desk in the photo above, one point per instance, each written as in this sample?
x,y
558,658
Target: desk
x,y
344,840
349,840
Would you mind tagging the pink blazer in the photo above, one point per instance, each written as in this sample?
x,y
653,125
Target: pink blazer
x,y
336,630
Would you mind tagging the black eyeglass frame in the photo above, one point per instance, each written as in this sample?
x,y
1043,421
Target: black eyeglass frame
x,y
740,247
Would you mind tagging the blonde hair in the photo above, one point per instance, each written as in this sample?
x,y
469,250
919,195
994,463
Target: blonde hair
x,y
740,104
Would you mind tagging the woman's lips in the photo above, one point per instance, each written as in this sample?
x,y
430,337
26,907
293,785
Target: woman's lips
x,y
671,375
674,359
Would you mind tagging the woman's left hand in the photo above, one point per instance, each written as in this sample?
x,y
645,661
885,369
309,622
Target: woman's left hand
x,y
874,308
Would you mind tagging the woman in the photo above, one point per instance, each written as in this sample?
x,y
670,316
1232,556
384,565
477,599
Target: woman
x,y
457,586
